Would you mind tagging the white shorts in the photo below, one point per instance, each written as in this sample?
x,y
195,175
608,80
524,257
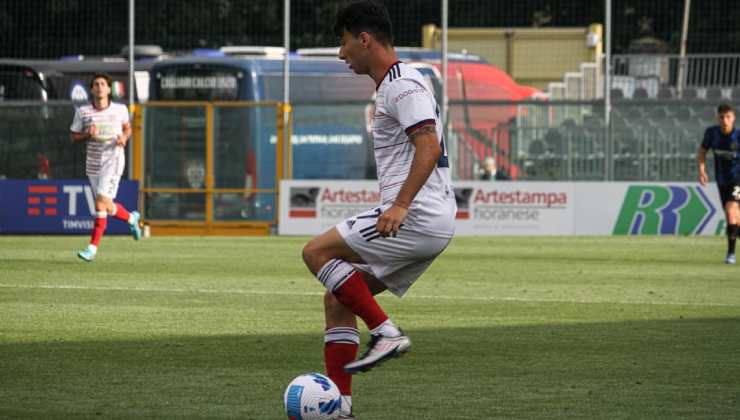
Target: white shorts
x,y
396,261
105,185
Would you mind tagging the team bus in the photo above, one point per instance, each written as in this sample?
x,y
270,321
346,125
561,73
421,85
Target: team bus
x,y
329,139
37,100
68,79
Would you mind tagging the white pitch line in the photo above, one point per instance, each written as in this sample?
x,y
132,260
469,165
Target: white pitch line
x,y
426,297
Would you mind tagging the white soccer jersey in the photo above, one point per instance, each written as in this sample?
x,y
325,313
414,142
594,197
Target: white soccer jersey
x,y
103,156
403,104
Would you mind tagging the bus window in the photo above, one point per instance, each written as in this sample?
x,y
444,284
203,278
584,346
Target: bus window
x,y
19,83
320,87
198,82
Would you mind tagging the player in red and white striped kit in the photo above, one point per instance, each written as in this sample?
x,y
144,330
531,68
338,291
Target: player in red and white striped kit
x,y
388,247
105,127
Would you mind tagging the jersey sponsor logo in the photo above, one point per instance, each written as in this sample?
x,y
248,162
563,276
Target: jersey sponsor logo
x,y
406,93
664,210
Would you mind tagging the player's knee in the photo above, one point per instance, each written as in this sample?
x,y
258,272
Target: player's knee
x,y
312,256
101,205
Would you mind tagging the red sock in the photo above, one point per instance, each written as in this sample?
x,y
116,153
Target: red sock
x,y
336,355
355,295
99,227
121,212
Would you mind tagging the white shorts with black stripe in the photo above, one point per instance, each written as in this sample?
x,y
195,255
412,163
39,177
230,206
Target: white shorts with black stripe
x,y
396,261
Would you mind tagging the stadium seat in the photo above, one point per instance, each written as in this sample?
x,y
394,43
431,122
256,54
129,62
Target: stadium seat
x,y
707,113
617,93
537,148
665,92
735,93
568,124
554,141
682,113
640,93
714,94
633,112
593,122
690,93
658,112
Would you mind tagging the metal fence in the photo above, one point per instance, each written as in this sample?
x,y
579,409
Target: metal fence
x,y
647,140
35,142
565,140
653,72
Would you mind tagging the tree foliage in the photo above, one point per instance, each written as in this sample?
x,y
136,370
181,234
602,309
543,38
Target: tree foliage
x,y
53,28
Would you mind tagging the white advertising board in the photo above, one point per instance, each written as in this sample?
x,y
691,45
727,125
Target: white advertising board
x,y
523,208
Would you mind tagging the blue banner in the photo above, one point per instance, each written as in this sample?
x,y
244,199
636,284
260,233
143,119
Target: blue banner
x,y
58,206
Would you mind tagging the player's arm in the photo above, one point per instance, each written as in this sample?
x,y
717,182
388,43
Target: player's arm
x,y
701,161
425,160
426,155
701,157
122,138
79,137
78,132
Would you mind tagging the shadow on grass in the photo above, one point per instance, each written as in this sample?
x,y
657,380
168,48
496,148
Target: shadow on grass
x,y
651,369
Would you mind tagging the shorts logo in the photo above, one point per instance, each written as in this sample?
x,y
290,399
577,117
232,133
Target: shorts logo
x,y
303,202
664,210
462,197
42,200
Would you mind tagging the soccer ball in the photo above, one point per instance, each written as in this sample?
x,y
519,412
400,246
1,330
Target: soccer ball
x,y
312,396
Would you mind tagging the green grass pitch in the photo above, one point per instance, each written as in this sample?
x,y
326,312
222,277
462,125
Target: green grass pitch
x,y
510,328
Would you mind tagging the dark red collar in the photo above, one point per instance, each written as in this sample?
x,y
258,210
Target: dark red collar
x,y
95,107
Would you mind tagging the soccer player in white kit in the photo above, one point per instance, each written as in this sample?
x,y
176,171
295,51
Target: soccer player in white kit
x,y
105,126
388,247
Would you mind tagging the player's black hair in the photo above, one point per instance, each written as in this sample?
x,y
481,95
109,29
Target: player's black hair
x,y
724,109
105,76
365,16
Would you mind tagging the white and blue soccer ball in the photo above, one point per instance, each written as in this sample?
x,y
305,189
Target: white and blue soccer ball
x,y
312,396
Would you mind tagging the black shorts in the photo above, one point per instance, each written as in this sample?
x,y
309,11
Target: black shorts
x,y
730,192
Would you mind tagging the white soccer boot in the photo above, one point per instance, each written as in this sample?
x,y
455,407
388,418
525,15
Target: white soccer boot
x,y
379,349
88,254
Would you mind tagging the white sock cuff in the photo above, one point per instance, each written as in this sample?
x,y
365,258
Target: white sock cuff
x,y
101,214
334,273
387,329
345,335
115,210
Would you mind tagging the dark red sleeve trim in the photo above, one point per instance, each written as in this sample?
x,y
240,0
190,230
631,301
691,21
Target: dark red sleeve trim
x,y
418,125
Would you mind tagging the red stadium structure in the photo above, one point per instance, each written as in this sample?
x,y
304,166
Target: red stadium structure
x,y
484,128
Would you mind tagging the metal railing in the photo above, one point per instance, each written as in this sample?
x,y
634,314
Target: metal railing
x,y
647,140
700,70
